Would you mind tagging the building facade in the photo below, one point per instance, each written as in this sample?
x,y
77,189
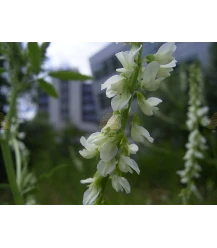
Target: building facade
x,y
104,65
75,104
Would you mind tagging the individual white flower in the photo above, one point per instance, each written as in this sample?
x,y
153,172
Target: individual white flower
x,y
120,184
133,148
126,164
108,150
165,70
148,106
91,194
97,138
139,133
164,53
127,59
93,191
120,102
149,74
90,151
114,85
106,168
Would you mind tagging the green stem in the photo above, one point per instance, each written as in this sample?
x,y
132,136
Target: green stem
x,y
18,198
11,173
18,161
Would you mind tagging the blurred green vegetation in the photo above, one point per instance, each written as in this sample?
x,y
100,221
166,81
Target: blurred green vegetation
x,y
56,162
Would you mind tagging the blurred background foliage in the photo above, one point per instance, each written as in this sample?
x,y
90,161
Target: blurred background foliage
x,y
56,162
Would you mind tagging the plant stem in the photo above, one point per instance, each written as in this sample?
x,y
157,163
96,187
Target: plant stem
x,y
18,161
11,173
18,198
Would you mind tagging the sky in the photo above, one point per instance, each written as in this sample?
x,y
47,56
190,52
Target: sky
x,y
75,54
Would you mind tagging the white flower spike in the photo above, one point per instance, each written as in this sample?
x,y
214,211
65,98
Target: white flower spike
x,y
196,142
112,144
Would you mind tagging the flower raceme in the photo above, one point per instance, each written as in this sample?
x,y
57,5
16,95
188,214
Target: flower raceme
x,y
111,144
196,146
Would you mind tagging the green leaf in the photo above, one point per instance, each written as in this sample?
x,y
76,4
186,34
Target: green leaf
x,y
69,75
34,52
48,88
43,48
2,70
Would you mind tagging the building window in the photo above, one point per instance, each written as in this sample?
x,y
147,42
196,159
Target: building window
x,y
64,112
104,101
88,106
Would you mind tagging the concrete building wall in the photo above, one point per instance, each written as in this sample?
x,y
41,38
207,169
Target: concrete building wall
x,y
69,106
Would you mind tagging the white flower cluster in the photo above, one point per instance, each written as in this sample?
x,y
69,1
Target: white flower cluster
x,y
111,144
196,142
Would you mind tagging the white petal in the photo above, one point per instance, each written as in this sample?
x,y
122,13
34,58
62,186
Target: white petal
x,y
145,107
145,133
88,180
123,165
135,134
150,72
90,195
108,151
125,184
110,93
169,65
164,54
120,70
115,183
166,48
120,102
97,138
84,142
122,57
88,153
106,168
112,80
133,148
131,163
153,101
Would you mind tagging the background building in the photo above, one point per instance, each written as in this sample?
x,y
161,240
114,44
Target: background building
x,y
84,104
104,64
75,104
